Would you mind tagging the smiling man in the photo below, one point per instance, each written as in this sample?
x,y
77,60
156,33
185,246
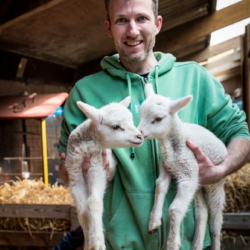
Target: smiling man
x,y
133,26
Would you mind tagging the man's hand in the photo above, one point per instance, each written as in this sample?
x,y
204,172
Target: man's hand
x,y
85,167
208,172
63,173
105,162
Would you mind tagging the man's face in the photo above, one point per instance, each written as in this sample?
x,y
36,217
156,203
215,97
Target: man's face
x,y
133,27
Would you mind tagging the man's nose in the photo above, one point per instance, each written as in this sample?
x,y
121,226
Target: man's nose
x,y
133,30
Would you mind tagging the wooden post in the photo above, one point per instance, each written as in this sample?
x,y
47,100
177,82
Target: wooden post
x,y
246,73
44,152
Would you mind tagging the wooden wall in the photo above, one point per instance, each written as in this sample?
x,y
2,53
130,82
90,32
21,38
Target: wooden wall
x,y
12,137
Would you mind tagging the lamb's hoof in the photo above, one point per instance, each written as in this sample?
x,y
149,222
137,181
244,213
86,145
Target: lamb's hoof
x,y
97,247
153,231
153,226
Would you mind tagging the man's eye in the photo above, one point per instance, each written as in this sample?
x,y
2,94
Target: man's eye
x,y
121,20
142,18
115,127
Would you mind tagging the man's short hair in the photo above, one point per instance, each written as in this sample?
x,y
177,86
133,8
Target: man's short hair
x,y
154,7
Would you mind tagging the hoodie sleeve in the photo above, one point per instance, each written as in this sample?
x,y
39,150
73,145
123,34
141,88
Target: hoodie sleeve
x,y
222,117
73,116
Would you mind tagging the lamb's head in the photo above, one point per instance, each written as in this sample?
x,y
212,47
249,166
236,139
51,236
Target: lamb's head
x,y
158,113
114,124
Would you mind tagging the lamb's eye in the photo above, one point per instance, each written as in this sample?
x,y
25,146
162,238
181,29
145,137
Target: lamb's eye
x,y
158,119
115,127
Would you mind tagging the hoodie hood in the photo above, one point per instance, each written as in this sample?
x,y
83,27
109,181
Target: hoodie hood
x,y
113,66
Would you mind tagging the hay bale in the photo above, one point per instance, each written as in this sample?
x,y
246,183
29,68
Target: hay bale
x,y
237,189
34,192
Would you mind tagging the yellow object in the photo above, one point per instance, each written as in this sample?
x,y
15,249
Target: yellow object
x,y
44,149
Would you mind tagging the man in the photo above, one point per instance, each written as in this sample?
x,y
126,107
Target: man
x,y
133,25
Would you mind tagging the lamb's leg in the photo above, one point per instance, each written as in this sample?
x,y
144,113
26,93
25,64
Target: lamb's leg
x,y
178,209
96,185
201,214
215,195
162,185
79,193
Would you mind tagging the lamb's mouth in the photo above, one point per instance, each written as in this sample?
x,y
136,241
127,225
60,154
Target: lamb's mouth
x,y
136,143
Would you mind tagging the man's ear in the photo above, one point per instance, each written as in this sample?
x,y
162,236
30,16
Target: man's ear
x,y
91,112
108,28
159,21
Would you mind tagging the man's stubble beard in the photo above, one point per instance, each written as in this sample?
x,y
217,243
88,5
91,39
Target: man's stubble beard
x,y
136,59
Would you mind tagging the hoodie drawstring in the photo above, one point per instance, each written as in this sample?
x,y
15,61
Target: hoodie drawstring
x,y
132,150
156,79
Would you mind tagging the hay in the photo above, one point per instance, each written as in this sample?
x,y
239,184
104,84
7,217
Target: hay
x,y
34,192
237,189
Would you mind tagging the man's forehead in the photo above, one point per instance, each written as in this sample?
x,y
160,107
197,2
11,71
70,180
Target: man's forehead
x,y
118,6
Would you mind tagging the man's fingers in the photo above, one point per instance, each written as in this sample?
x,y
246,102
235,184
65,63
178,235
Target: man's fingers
x,y
199,155
105,162
86,163
63,156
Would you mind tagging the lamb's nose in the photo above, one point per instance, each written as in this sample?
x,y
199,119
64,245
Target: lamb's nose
x,y
140,137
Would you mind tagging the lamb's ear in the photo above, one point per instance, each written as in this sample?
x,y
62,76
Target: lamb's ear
x,y
90,111
125,102
148,89
180,103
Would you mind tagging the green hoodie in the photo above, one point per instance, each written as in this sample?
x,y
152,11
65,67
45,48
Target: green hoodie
x,y
129,197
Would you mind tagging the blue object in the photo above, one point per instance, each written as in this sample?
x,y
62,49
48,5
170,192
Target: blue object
x,y
71,241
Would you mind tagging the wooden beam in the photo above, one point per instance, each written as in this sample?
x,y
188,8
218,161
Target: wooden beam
x,y
212,5
37,239
36,211
197,47
235,221
228,74
186,34
246,73
211,51
31,13
223,63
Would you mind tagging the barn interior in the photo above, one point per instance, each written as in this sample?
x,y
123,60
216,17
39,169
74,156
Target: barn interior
x,y
47,45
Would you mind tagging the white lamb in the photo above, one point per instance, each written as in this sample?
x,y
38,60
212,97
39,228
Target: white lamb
x,y
108,127
159,120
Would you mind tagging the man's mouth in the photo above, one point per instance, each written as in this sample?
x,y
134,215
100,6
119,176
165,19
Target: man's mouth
x,y
133,43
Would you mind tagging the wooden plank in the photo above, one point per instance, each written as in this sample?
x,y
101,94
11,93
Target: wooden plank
x,y
31,13
38,239
240,243
224,63
35,211
236,221
211,51
74,223
194,48
246,73
186,34
228,74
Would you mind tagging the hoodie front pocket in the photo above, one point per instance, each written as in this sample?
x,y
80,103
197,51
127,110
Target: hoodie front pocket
x,y
128,228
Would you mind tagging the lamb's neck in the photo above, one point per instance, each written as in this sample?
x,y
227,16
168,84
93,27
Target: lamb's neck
x,y
174,138
87,134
